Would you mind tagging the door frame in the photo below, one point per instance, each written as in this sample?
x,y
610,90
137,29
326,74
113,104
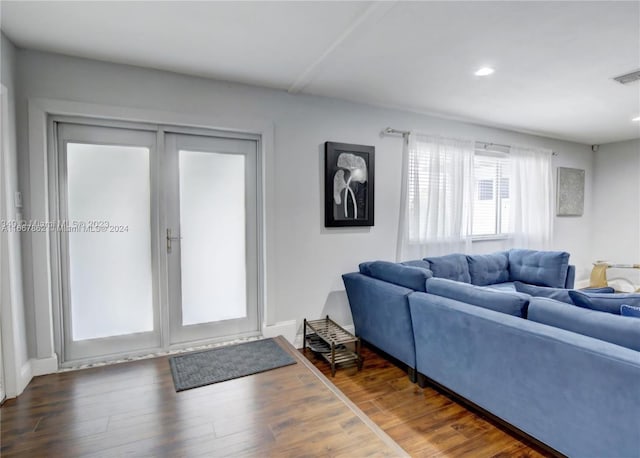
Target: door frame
x,y
5,299
160,265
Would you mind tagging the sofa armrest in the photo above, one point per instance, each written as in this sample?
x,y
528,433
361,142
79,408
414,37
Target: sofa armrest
x,y
380,312
571,277
411,277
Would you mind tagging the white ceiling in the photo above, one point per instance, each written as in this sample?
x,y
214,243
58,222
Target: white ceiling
x,y
554,61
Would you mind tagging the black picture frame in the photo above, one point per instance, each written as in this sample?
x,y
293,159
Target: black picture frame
x,y
349,176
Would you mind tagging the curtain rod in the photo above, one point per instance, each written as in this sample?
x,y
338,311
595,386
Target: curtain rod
x,y
485,145
390,130
489,145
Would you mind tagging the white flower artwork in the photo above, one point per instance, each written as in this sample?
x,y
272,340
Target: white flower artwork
x,y
357,169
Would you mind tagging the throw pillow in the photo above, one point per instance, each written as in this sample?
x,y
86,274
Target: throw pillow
x,y
629,310
604,302
558,294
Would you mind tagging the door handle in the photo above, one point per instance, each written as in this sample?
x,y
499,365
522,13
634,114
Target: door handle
x,y
170,239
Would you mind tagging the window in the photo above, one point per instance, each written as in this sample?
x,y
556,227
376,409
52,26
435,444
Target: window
x,y
455,191
491,195
485,189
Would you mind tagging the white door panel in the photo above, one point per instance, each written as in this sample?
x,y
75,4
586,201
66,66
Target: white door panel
x,y
110,303
213,208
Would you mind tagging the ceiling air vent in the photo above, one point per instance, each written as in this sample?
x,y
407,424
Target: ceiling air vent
x,y
628,78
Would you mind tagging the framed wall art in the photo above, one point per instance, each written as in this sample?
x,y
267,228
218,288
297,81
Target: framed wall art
x,y
348,184
570,190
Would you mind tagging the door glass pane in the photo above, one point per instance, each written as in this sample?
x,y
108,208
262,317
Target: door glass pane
x,y
212,226
109,240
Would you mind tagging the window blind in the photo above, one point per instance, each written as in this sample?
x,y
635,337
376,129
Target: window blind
x,y
491,201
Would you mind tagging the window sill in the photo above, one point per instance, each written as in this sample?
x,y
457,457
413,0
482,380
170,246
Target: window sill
x,y
490,238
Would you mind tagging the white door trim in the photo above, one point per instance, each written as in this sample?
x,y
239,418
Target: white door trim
x,y
6,346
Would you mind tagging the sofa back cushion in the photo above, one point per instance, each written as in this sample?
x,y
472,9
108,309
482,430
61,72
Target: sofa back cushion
x,y
620,330
604,302
398,274
363,267
558,294
543,268
488,269
510,303
452,267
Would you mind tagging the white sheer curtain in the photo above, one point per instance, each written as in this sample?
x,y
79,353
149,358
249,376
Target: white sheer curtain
x,y
437,196
531,195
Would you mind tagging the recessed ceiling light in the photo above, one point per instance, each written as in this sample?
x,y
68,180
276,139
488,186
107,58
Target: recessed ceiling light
x,y
484,71
637,118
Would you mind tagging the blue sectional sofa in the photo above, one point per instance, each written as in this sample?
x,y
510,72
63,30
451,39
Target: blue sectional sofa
x,y
378,293
566,376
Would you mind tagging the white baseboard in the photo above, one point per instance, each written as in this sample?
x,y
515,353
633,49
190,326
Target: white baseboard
x,y
33,368
44,366
26,375
287,329
299,344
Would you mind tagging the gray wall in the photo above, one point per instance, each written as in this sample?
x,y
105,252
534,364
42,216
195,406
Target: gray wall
x,y
12,307
309,259
616,225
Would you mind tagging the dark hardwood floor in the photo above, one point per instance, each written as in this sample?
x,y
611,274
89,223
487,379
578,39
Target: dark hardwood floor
x,y
132,409
423,422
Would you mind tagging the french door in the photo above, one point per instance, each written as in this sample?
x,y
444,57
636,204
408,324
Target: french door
x,y
158,239
212,258
110,293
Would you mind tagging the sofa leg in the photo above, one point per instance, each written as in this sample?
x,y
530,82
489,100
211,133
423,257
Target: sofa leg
x,y
422,380
412,374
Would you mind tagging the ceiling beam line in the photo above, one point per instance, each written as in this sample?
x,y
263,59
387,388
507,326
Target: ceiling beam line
x,y
375,9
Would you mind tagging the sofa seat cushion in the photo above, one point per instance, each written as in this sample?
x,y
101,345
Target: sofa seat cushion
x,y
398,274
558,294
452,267
507,286
604,302
488,269
620,330
417,263
543,268
510,303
